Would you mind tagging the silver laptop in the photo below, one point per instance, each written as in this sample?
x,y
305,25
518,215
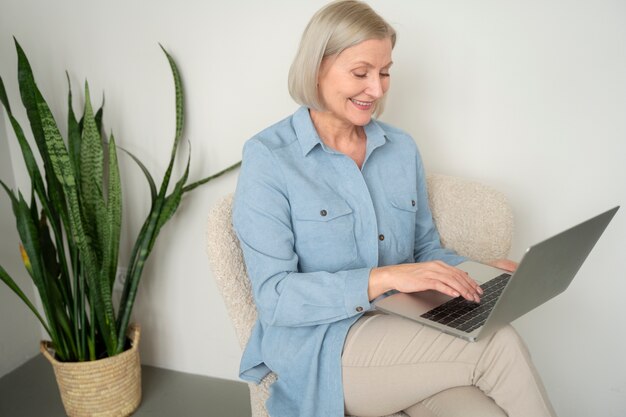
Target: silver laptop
x,y
545,271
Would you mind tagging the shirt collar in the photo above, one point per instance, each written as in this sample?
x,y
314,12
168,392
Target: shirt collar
x,y
308,137
305,131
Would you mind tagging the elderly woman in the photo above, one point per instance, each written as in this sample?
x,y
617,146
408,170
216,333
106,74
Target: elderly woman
x,y
331,210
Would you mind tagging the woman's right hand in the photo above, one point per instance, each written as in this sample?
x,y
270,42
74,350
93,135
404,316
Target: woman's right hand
x,y
415,277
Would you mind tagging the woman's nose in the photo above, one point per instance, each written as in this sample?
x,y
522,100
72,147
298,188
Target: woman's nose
x,y
375,87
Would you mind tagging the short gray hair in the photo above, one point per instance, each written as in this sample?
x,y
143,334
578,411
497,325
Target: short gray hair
x,y
337,26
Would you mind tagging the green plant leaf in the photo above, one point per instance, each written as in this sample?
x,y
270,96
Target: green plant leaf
x,y
141,250
91,164
48,249
28,87
98,116
27,231
73,132
6,278
29,92
151,184
114,213
27,153
148,233
3,97
49,257
36,181
163,209
172,202
178,86
60,311
179,124
212,177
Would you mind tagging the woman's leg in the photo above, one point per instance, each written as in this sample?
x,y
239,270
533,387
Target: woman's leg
x,y
391,364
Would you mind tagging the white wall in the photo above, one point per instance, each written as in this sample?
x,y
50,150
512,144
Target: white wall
x,y
528,96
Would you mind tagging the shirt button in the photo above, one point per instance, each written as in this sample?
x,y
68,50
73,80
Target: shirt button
x,y
381,237
413,203
323,213
359,309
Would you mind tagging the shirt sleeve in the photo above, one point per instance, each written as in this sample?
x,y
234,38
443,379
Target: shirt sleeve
x,y
427,240
262,221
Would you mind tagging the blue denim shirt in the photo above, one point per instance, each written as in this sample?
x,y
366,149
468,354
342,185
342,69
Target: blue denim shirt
x,y
312,226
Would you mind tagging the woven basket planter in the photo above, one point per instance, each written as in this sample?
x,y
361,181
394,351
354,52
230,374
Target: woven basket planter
x,y
109,387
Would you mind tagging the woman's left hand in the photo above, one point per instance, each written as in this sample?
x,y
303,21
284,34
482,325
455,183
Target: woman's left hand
x,y
506,264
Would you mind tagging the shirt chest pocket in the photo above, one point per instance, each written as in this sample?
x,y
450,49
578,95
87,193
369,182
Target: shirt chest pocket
x,y
402,224
324,235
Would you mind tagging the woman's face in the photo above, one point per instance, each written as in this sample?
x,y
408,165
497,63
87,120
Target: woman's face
x,y
351,82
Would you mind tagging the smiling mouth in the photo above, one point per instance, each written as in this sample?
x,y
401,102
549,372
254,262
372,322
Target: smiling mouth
x,y
362,105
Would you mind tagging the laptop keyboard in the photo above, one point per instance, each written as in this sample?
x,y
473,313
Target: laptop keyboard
x,y
465,315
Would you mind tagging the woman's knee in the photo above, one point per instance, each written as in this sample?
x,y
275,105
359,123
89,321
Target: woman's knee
x,y
508,336
508,340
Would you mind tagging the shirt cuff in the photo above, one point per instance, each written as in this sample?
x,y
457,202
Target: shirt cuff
x,y
356,299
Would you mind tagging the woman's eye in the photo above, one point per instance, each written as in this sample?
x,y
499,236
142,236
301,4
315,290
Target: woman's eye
x,y
364,74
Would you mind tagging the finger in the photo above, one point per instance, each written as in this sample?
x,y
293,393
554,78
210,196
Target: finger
x,y
468,290
442,287
475,285
459,281
505,264
509,265
452,290
473,288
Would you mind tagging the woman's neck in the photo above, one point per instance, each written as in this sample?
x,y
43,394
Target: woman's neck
x,y
341,136
334,132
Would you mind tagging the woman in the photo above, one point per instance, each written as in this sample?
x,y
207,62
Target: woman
x,y
331,211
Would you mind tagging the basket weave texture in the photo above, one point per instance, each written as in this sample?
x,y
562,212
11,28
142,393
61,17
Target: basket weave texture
x,y
109,387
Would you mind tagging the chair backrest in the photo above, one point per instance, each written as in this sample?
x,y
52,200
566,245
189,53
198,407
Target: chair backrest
x,y
226,259
473,219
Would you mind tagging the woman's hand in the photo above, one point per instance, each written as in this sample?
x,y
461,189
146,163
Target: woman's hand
x,y
434,275
506,264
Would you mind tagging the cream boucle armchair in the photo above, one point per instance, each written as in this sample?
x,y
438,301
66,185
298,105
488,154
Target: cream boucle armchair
x,y
472,219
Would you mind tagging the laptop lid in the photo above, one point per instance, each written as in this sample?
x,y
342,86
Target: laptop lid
x,y
546,270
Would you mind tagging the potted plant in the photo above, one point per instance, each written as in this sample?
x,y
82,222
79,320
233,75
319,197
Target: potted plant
x,y
70,229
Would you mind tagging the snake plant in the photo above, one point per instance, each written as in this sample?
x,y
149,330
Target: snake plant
x,y
70,225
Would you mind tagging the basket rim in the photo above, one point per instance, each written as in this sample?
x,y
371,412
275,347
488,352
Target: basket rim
x,y
133,333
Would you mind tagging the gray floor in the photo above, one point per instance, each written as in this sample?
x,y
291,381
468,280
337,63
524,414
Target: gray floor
x,y
31,391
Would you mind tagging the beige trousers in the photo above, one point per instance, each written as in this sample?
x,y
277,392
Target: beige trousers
x,y
390,364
